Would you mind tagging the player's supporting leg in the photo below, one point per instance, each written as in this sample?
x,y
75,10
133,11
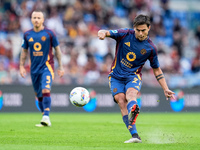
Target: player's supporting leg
x,y
40,103
132,128
47,105
133,111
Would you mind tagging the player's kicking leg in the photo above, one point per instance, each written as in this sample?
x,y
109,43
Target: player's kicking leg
x,y
132,116
133,112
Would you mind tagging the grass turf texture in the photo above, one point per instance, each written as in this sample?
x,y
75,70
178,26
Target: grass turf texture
x,y
99,131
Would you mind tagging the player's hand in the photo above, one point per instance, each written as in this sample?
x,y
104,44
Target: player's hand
x,y
169,94
60,71
22,71
101,35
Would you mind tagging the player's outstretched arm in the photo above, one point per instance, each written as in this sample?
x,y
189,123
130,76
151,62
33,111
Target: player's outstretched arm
x,y
23,57
160,78
58,54
103,33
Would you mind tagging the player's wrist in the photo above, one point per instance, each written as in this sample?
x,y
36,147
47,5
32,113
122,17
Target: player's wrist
x,y
21,65
165,90
60,67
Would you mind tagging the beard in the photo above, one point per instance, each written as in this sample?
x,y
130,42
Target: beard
x,y
141,38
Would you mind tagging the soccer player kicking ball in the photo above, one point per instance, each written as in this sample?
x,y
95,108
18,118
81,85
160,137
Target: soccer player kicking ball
x,y
40,41
133,49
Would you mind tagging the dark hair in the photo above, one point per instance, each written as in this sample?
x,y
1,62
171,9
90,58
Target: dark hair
x,y
141,19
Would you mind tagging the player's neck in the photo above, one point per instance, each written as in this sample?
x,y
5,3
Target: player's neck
x,y
38,29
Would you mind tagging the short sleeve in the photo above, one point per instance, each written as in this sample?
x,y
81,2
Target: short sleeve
x,y
24,42
55,42
118,34
154,63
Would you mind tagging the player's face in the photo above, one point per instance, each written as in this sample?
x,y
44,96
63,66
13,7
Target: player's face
x,y
141,32
37,19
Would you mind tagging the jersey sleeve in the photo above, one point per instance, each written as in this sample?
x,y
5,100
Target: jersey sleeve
x,y
118,34
25,42
154,63
55,42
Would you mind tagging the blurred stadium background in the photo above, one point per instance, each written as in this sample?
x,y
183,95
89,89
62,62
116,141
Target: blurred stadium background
x,y
175,30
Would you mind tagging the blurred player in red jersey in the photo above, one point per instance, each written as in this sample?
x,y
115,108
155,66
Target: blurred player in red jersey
x,y
133,49
40,42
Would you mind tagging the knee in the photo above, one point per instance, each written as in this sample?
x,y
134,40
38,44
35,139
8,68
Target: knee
x,y
131,94
121,100
122,103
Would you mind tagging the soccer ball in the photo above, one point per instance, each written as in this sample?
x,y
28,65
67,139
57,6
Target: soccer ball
x,y
79,96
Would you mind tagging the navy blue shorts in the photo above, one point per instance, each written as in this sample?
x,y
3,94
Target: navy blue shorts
x,y
121,86
41,81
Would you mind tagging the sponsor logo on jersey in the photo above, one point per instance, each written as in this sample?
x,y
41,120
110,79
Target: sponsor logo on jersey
x,y
126,63
114,31
37,53
143,51
23,42
37,47
43,38
31,39
128,44
131,56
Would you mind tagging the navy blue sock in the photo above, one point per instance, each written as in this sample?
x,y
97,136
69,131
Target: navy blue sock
x,y
132,128
130,104
46,103
125,119
40,103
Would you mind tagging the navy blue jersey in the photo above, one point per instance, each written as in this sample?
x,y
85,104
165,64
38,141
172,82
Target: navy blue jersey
x,y
131,54
40,45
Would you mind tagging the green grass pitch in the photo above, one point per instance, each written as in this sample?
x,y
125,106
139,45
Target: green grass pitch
x,y
99,131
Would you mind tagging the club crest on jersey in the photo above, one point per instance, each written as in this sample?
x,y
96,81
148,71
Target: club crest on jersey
x,y
143,51
43,38
114,31
131,56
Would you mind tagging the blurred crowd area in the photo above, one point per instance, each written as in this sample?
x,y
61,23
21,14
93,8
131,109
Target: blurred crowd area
x,y
86,59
